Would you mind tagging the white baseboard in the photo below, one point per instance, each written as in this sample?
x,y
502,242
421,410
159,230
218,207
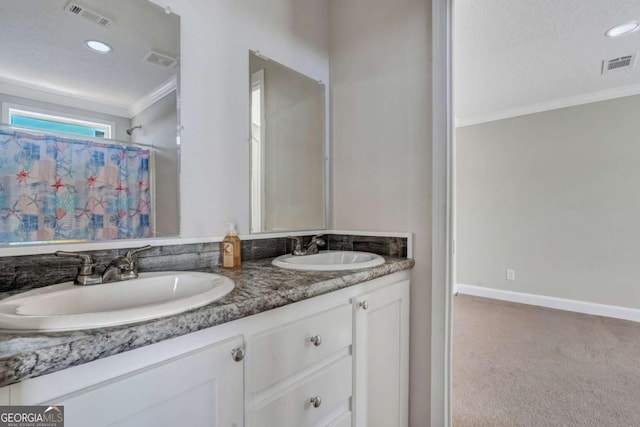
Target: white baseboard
x,y
551,302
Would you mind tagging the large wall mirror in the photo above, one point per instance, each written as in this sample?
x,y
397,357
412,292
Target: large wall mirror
x,y
288,148
88,141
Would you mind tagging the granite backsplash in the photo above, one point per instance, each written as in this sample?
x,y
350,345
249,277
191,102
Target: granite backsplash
x,y
21,273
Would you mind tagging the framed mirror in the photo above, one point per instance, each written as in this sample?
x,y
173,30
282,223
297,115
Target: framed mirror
x,y
88,141
288,148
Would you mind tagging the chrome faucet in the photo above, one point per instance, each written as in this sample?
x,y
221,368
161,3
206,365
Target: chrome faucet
x,y
312,247
86,273
119,269
123,267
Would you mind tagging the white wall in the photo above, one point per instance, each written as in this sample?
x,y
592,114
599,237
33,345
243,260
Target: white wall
x,y
381,144
556,197
215,42
158,123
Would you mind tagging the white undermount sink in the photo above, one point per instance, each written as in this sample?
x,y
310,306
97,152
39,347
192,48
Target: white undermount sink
x,y
329,261
66,306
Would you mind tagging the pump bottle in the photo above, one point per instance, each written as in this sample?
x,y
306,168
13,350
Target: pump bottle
x,y
231,248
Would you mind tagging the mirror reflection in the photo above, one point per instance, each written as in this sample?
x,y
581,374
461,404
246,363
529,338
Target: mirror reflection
x,y
287,148
88,146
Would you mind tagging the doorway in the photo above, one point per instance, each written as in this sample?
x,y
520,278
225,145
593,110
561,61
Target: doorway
x,y
541,172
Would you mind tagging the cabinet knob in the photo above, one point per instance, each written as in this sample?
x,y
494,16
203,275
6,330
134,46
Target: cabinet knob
x,y
316,340
316,401
364,305
237,354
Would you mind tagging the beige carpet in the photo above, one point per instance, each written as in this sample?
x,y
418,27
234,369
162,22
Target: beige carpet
x,y
519,365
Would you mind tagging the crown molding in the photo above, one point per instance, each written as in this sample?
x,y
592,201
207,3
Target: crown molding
x,y
38,93
572,101
152,97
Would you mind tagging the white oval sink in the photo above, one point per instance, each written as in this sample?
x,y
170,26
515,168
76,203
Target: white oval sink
x,y
66,306
329,260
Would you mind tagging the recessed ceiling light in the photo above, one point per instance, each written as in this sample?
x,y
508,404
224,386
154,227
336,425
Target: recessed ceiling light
x,y
623,29
98,46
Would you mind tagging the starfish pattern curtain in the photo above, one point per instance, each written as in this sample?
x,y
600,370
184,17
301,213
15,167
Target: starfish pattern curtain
x,y
55,188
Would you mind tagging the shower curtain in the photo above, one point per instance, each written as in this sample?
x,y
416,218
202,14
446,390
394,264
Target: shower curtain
x,y
55,188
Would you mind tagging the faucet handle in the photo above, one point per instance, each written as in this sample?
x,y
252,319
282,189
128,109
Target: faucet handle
x,y
318,240
297,247
88,264
129,255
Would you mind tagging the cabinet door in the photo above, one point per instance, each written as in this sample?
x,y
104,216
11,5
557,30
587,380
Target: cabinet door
x,y
198,389
381,357
4,395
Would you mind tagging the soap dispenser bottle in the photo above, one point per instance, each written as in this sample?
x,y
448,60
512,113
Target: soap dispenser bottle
x,y
231,248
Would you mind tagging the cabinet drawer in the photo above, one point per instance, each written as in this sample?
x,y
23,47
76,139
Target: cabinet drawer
x,y
331,384
276,354
343,420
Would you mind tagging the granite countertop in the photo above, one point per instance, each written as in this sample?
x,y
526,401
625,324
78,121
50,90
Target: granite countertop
x,y
259,287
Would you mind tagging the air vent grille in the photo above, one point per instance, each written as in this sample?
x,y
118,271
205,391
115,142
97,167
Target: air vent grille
x,y
159,59
77,9
617,64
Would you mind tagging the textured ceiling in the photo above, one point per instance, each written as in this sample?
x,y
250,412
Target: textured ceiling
x,y
514,56
42,46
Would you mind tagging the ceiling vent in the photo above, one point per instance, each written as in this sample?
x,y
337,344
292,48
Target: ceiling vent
x,y
78,9
617,64
159,59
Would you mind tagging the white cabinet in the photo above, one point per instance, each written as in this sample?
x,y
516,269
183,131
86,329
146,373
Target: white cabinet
x,y
202,388
381,357
336,360
359,369
300,373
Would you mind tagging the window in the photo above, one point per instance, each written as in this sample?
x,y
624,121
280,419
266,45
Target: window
x,y
61,124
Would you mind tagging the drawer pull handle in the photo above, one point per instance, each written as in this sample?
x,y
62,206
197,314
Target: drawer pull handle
x,y
364,305
316,340
237,354
316,401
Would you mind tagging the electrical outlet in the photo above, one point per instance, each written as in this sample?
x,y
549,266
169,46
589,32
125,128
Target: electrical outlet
x,y
511,274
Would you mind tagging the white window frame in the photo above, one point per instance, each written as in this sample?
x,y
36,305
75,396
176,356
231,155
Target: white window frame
x,y
9,110
258,168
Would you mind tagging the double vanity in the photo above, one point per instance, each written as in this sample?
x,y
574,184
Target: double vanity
x,y
322,341
311,339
